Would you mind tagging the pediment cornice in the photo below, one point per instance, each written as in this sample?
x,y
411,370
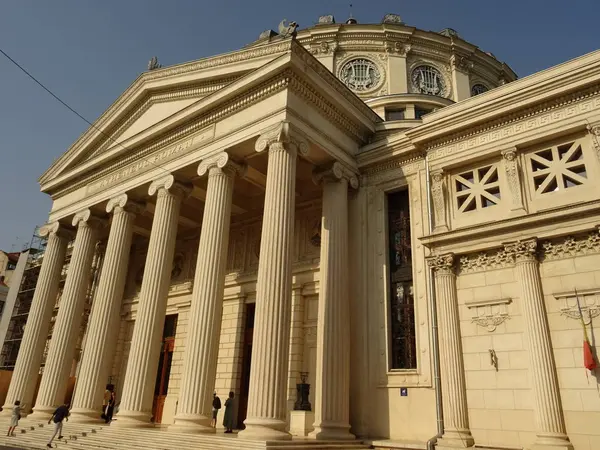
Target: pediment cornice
x,y
303,76
134,97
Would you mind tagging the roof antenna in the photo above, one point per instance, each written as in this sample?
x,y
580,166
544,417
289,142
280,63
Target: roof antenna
x,y
351,17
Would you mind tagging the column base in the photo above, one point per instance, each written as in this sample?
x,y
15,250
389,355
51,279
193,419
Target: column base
x,y
265,430
192,423
332,431
455,439
301,423
552,442
132,419
85,415
42,413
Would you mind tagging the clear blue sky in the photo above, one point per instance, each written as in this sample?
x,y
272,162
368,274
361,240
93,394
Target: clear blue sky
x,y
88,52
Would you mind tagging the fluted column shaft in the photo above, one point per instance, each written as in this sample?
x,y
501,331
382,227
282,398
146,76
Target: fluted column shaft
x,y
270,356
332,390
104,317
24,378
296,345
140,376
549,419
66,331
454,400
206,311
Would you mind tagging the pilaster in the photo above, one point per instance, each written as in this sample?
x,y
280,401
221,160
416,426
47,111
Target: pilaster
x,y
513,176
101,338
456,418
267,401
438,193
460,66
550,423
29,359
206,311
67,326
332,400
136,403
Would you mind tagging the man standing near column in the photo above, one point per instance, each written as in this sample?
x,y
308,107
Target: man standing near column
x,y
206,311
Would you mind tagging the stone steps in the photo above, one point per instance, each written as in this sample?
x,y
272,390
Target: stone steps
x,y
157,439
35,435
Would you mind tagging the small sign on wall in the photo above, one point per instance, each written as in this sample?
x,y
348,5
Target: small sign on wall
x,y
403,392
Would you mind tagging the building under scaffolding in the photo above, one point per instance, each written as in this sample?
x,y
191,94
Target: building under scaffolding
x,y
23,301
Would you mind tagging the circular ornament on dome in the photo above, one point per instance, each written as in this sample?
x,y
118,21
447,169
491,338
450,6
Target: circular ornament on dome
x,y
478,89
360,75
428,80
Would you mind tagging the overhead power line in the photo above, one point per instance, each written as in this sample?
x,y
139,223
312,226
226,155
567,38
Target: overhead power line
x,y
56,97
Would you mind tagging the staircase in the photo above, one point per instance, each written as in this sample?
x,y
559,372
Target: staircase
x,y
102,437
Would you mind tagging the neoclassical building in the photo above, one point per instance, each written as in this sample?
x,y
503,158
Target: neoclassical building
x,y
385,212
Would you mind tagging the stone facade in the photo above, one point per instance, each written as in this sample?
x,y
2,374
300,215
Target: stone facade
x,y
261,216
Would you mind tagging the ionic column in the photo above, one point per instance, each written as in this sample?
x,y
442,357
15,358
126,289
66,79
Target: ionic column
x,y
268,373
332,390
136,402
27,367
550,422
104,317
454,400
206,311
70,311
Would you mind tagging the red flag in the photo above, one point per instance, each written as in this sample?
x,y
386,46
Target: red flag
x,y
588,357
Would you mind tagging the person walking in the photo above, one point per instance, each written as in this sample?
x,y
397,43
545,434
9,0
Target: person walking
x,y
110,407
216,406
228,418
14,418
61,413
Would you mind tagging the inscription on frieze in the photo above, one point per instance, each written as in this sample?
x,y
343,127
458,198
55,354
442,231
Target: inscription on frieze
x,y
151,161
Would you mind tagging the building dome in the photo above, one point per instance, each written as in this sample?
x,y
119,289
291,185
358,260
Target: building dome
x,y
402,72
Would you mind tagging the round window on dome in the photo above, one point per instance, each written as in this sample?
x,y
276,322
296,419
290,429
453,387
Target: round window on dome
x,y
428,80
360,75
478,89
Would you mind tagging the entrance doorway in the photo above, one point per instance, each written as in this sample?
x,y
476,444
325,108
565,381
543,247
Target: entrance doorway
x,y
164,367
246,360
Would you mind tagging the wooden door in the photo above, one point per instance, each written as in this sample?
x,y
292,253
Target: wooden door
x,y
161,388
246,362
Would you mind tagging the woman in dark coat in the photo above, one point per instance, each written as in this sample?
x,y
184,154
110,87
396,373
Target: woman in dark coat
x,y
228,418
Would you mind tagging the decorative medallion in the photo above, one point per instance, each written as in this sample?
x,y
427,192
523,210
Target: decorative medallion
x,y
428,80
360,75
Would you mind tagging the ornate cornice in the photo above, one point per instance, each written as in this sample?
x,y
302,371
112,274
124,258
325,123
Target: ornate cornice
x,y
486,261
570,246
508,125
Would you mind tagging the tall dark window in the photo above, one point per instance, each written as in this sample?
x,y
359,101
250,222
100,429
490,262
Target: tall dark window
x,y
402,307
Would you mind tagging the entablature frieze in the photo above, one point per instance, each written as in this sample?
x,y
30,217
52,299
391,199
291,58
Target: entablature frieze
x,y
530,249
570,112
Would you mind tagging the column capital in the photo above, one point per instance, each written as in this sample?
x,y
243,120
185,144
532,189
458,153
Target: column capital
x,y
221,161
523,251
285,136
442,264
510,154
56,229
336,172
168,183
85,218
124,203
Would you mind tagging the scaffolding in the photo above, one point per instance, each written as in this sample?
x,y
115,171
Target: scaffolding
x,y
16,327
